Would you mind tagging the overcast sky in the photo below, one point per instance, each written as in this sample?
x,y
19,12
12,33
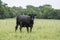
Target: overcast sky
x,y
55,3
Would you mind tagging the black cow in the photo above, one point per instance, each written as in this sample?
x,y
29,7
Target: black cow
x,y
25,21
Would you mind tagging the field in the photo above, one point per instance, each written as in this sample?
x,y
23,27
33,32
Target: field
x,y
43,29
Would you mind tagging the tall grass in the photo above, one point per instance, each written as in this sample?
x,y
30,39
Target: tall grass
x,y
43,29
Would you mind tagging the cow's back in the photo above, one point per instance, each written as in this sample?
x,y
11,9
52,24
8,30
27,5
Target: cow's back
x,y
25,19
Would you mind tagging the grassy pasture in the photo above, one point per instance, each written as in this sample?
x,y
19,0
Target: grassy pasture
x,y
44,29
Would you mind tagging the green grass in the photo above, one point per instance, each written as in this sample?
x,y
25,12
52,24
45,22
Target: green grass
x,y
43,29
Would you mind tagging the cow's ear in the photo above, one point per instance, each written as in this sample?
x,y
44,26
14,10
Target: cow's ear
x,y
29,14
35,14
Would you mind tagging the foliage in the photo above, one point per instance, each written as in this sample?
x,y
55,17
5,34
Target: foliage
x,y
46,11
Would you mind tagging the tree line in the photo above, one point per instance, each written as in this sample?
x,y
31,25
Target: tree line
x,y
44,12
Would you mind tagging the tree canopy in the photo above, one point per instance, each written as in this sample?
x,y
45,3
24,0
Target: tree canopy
x,y
46,11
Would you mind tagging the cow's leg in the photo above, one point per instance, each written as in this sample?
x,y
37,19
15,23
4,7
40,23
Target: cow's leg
x,y
27,29
20,28
16,28
30,29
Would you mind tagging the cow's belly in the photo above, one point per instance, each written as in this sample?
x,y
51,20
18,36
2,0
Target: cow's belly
x,y
26,24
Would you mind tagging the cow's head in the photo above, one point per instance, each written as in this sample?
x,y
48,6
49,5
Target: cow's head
x,y
32,15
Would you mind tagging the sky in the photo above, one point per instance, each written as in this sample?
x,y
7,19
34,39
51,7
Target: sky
x,y
23,3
